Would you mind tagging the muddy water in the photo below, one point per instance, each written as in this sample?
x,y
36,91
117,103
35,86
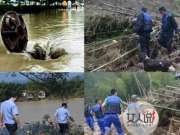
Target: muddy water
x,y
63,29
34,111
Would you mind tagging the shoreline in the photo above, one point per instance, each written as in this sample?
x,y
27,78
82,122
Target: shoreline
x,y
51,100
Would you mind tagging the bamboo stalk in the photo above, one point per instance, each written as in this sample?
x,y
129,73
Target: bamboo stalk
x,y
137,84
96,26
155,36
170,126
153,93
158,106
115,59
172,91
107,40
171,87
175,120
163,130
101,47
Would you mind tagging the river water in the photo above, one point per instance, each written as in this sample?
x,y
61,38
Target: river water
x,y
64,29
34,111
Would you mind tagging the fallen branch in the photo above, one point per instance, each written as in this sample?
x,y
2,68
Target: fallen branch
x,y
171,87
170,127
160,94
171,91
155,36
116,59
163,130
158,106
107,40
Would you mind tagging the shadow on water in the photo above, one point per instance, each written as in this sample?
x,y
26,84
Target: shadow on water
x,y
62,29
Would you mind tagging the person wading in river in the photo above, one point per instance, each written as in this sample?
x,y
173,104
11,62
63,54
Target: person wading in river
x,y
69,4
64,4
76,4
9,115
61,115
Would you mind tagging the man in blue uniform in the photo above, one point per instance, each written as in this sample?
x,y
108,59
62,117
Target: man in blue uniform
x,y
112,108
169,26
89,117
143,28
62,114
9,115
97,110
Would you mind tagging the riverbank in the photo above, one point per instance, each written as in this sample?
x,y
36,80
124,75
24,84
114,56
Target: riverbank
x,y
52,99
26,9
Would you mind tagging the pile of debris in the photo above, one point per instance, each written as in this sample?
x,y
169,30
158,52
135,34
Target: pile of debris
x,y
167,103
112,46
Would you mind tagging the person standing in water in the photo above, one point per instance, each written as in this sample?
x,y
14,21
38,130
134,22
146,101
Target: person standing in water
x,y
64,4
76,4
69,4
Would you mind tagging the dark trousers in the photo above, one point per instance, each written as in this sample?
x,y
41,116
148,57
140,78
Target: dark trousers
x,y
166,40
63,128
12,128
144,39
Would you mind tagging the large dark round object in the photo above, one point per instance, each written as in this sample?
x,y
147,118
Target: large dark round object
x,y
14,32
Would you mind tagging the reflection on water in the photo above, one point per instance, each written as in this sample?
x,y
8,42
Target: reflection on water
x,y
64,29
34,111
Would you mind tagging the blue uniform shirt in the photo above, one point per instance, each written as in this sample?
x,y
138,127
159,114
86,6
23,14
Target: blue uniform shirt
x,y
113,99
9,109
62,115
97,107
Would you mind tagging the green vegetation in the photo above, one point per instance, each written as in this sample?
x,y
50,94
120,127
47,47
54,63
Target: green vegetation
x,y
98,85
56,85
45,127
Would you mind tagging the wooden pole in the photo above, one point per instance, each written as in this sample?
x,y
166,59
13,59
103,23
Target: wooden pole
x,y
115,59
170,126
155,36
158,106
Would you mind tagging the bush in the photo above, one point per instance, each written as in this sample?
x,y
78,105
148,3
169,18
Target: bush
x,y
46,128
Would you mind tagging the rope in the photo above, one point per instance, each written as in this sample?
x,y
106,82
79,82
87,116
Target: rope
x,y
115,59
